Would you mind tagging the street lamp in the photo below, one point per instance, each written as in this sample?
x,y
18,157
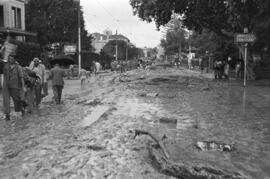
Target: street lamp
x,y
79,35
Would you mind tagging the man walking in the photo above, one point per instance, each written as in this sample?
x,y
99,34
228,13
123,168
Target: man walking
x,y
40,72
57,75
12,86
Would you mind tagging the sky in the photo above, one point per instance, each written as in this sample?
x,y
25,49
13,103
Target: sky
x,y
100,15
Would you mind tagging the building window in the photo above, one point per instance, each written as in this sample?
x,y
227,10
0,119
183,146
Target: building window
x,y
1,16
16,17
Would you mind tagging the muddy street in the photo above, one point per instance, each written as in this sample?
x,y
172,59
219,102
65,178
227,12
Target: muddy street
x,y
200,121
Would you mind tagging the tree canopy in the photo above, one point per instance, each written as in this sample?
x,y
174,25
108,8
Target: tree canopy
x,y
110,50
174,40
56,21
224,17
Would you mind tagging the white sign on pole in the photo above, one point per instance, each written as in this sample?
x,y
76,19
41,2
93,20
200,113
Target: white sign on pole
x,y
245,38
70,49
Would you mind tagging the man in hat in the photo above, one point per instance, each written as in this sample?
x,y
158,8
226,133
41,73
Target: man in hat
x,y
57,75
12,86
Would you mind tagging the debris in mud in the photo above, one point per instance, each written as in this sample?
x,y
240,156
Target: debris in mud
x,y
213,146
159,143
206,88
105,154
91,102
161,80
98,113
162,162
95,147
167,120
152,95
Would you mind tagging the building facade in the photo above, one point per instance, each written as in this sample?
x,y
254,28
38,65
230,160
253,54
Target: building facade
x,y
12,14
100,40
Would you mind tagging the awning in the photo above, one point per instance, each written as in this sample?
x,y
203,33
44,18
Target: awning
x,y
15,32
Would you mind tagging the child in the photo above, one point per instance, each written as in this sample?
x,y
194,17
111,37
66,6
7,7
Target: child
x,y
82,77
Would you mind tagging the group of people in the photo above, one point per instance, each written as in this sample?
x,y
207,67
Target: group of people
x,y
28,85
222,68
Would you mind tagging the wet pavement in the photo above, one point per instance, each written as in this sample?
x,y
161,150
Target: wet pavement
x,y
89,135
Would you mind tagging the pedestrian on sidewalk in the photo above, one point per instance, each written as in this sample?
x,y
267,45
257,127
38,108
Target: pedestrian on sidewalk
x,y
13,86
57,76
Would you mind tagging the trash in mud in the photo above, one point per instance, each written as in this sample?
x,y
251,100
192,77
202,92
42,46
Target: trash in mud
x,y
213,146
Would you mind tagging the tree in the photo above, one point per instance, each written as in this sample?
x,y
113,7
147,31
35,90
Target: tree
x,y
174,40
207,41
56,21
123,48
223,17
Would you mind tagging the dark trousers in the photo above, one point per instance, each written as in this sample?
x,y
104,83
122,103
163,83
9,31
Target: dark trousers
x,y
45,89
57,92
38,93
15,94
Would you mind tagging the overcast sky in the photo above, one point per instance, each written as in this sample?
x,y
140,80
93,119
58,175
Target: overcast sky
x,y
117,14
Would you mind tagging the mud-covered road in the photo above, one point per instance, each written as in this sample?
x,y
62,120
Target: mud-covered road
x,y
90,135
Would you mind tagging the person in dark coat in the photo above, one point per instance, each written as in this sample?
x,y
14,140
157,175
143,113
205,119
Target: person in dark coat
x,y
12,86
57,76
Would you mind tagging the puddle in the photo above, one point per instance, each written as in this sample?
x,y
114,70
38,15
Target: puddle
x,y
95,115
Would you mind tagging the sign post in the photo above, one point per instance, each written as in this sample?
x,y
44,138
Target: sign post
x,y
245,72
245,38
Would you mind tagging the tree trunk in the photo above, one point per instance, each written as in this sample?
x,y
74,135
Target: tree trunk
x,y
180,52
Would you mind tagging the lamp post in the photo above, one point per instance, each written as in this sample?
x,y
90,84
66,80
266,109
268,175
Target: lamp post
x,y
79,35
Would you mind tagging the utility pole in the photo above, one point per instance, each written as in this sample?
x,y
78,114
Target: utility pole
x,y
126,53
116,48
79,36
245,59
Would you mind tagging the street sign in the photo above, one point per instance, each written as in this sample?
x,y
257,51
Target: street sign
x,y
70,49
245,38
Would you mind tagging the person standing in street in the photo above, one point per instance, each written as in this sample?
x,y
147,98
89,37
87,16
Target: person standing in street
x,y
12,86
71,70
40,72
226,70
44,84
57,76
83,77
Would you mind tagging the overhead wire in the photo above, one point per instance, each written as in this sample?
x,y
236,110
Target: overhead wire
x,y
112,16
